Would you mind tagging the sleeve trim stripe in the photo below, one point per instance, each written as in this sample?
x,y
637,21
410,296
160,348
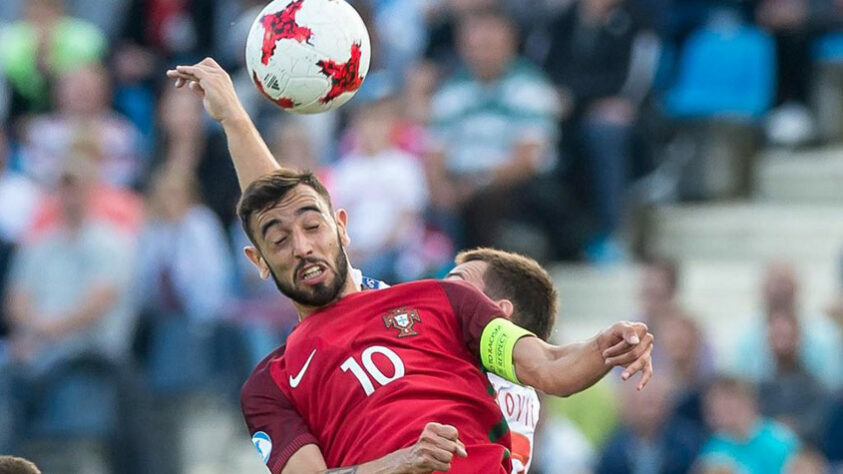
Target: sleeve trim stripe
x,y
287,453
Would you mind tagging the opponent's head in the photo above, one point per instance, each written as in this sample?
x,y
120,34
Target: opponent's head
x,y
16,465
298,238
520,286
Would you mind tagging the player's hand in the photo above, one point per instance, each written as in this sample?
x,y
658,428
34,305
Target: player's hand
x,y
434,450
629,345
209,81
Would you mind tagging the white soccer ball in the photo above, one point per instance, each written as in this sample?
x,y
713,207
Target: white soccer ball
x,y
308,56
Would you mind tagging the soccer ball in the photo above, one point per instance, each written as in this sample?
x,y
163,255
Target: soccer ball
x,y
308,56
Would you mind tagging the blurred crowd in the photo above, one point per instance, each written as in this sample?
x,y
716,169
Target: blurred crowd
x,y
773,403
538,126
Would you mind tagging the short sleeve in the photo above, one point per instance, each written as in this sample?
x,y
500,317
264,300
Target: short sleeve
x,y
474,310
277,429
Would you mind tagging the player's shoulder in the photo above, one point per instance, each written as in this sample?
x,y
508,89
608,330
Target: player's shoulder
x,y
452,289
260,381
414,286
458,290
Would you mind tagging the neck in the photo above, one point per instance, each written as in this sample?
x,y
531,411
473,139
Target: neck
x,y
349,288
744,431
789,363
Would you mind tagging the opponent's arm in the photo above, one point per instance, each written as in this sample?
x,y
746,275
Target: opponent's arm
x,y
565,370
517,355
252,158
434,450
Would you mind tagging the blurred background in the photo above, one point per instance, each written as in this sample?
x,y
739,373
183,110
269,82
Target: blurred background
x,y
673,161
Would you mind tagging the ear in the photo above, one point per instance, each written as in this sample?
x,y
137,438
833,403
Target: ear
x,y
507,307
257,260
342,225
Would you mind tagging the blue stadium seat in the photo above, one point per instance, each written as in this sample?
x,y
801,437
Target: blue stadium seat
x,y
724,73
828,48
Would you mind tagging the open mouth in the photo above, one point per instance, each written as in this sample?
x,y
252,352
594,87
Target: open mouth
x,y
312,274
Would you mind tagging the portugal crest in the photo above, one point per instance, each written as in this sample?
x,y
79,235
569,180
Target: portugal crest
x,y
403,320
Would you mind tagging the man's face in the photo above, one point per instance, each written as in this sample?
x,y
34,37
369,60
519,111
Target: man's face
x,y
301,245
487,45
470,272
655,291
729,412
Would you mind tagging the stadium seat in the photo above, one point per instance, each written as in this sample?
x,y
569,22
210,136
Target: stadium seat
x,y
724,72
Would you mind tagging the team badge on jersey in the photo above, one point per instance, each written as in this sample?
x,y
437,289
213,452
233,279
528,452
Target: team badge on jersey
x,y
403,320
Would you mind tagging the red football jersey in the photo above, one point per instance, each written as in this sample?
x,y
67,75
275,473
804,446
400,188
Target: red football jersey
x,y
363,376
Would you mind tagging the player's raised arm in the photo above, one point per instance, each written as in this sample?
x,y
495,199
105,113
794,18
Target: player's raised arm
x,y
565,370
252,158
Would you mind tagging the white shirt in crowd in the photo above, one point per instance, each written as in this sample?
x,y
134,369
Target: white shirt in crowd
x,y
376,191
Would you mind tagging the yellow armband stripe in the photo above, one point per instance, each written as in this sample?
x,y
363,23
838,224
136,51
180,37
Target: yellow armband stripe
x,y
496,345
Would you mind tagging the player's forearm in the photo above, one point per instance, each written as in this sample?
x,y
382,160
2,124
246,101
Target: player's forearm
x,y
584,364
311,461
521,168
249,153
99,301
392,463
560,371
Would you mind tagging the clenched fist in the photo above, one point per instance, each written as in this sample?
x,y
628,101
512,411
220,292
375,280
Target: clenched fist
x,y
434,451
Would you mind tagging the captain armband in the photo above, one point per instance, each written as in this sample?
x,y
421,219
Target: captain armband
x,y
496,346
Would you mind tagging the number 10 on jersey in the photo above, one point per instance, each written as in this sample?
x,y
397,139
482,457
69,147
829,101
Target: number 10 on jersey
x,y
371,370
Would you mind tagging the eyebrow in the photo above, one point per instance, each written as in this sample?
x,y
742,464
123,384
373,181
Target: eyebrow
x,y
276,221
308,208
266,225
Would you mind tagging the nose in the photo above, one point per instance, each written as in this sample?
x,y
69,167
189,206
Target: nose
x,y
302,245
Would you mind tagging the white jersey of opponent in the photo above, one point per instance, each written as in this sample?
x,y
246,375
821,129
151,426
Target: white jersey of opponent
x,y
520,407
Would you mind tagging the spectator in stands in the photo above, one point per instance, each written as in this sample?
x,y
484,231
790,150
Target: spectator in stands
x,y
560,446
385,189
83,118
184,141
444,18
831,445
685,361
590,60
43,46
648,440
173,30
658,286
821,351
793,396
20,197
808,461
68,290
291,146
184,258
494,132
796,24
742,440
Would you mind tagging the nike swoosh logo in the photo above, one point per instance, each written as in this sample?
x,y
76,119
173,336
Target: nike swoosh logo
x,y
294,381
